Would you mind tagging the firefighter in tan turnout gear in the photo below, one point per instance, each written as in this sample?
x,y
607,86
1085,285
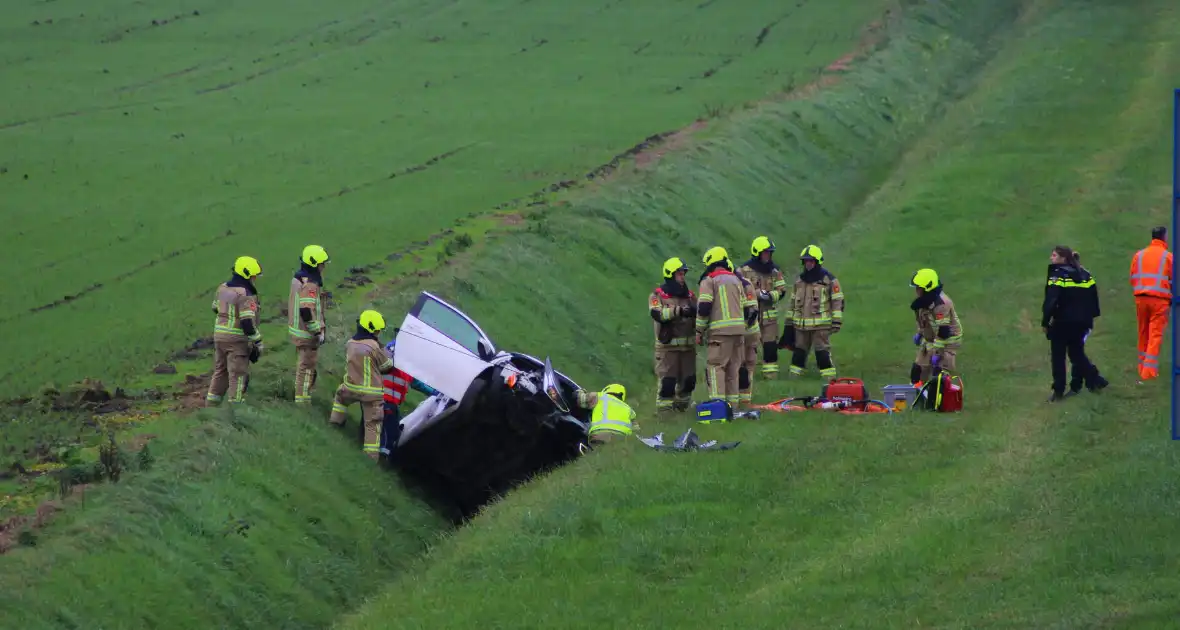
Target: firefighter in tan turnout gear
x,y
814,314
770,287
237,342
305,318
722,316
362,384
939,333
749,343
672,306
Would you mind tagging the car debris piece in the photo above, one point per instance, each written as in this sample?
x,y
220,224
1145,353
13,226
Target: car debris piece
x,y
688,441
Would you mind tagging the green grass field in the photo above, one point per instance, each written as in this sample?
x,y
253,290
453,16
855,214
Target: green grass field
x,y
973,138
142,159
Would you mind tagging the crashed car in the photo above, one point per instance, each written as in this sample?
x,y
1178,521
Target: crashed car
x,y
499,417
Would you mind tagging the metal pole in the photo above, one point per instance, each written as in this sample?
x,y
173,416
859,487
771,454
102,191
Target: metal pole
x,y
1175,231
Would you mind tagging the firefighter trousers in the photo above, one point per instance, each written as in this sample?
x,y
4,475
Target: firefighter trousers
x,y
676,371
921,371
372,416
818,340
724,362
769,341
1069,340
306,354
231,372
1152,313
746,371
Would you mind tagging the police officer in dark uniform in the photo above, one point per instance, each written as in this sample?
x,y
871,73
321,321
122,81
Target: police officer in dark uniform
x,y
1067,316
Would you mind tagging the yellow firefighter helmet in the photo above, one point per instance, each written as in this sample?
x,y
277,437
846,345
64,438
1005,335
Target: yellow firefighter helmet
x,y
925,279
714,254
372,321
616,390
812,252
314,255
672,265
247,267
761,244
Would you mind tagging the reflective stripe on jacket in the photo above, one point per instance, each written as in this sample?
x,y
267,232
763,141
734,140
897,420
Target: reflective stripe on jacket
x,y
1151,270
306,293
366,362
232,305
396,384
611,415
721,305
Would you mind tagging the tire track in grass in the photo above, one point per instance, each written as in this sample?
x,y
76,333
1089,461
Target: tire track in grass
x,y
365,19
220,238
123,276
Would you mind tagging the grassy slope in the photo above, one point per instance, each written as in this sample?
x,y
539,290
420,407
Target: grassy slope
x,y
259,519
1015,513
281,122
798,42
304,493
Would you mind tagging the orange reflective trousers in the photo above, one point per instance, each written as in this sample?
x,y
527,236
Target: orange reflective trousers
x,y
1153,319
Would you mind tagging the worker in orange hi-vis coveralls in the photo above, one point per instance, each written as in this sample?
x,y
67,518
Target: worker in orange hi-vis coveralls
x,y
1151,282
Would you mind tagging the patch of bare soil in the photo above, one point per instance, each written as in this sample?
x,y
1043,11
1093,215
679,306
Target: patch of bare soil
x,y
651,150
11,530
674,142
511,219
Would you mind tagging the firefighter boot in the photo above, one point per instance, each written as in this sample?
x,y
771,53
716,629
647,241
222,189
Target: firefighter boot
x,y
915,374
666,397
745,388
823,360
684,396
769,359
798,361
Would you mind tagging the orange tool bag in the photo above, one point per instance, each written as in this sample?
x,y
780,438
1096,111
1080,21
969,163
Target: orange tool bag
x,y
846,389
943,393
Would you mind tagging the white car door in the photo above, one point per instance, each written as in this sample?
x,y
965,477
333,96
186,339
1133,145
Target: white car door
x,y
441,346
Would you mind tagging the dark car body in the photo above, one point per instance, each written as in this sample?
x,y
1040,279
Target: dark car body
x,y
499,417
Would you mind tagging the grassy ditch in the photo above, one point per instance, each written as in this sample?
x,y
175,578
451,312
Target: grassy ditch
x,y
1013,514
256,518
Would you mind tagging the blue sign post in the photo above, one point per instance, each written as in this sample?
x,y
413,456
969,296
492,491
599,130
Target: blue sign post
x,y
1175,233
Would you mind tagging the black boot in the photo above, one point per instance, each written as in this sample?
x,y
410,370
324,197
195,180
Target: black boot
x,y
799,359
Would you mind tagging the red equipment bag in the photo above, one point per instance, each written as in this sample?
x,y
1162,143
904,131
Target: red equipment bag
x,y
952,393
846,389
944,394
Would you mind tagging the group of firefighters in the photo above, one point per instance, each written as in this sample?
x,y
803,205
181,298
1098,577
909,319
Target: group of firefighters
x,y
734,313
370,380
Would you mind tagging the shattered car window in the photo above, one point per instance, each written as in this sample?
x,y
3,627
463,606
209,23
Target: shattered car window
x,y
451,324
